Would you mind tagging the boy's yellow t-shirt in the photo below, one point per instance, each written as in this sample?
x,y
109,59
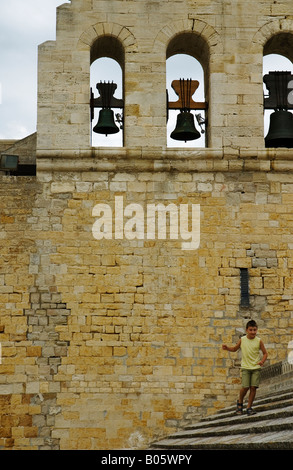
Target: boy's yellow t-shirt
x,y
250,353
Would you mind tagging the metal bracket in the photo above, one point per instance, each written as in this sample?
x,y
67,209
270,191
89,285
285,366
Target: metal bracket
x,y
185,89
106,98
277,84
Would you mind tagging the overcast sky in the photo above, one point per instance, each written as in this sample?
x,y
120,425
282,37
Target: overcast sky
x,y
24,24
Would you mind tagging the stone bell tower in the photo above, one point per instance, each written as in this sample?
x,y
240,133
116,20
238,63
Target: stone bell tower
x,y
232,64
88,30
134,263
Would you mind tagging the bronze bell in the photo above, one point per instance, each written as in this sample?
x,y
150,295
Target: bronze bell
x,y
185,128
280,132
106,124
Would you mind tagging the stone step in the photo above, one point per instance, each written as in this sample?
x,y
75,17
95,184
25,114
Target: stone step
x,y
270,428
268,403
264,414
274,421
278,440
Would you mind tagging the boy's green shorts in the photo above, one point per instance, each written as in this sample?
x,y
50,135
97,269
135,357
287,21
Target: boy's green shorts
x,y
250,378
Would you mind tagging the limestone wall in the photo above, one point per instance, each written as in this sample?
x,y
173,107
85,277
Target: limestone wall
x,y
109,341
25,149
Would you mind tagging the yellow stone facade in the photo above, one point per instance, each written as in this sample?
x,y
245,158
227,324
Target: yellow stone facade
x,y
111,343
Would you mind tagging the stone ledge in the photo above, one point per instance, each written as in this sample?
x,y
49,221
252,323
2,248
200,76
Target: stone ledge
x,y
170,152
165,159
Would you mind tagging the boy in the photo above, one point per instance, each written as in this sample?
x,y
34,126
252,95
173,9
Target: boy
x,y
250,365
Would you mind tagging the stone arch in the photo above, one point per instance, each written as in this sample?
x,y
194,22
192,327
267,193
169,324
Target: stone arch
x,y
99,30
274,37
110,40
197,39
268,39
280,43
195,26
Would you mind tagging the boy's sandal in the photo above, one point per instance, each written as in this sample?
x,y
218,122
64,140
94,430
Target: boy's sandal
x,y
250,411
239,409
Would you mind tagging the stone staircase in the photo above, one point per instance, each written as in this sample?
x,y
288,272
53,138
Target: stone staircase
x,y
270,428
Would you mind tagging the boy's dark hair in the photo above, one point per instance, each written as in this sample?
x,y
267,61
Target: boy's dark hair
x,y
251,323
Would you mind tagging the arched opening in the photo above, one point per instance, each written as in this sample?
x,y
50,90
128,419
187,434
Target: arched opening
x,y
187,58
107,66
277,60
